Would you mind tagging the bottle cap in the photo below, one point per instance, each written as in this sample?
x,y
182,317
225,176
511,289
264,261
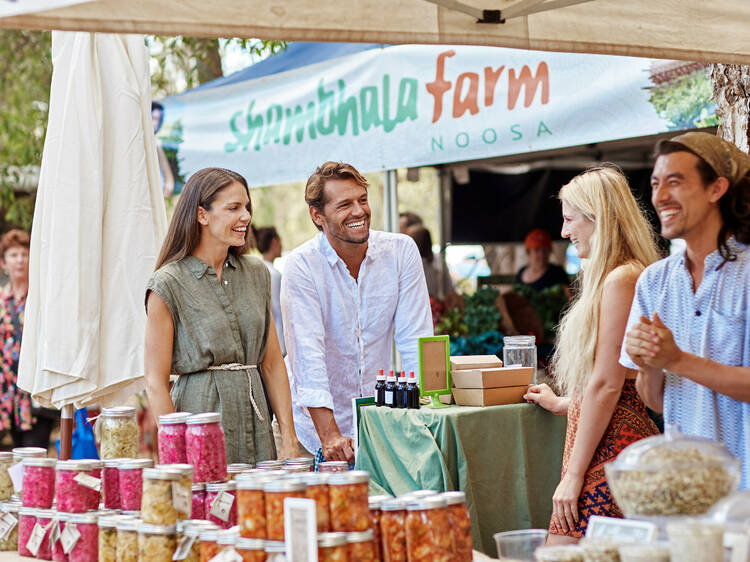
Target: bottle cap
x,y
381,376
391,376
402,377
412,376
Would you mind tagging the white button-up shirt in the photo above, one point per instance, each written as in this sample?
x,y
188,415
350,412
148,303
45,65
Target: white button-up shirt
x,y
339,331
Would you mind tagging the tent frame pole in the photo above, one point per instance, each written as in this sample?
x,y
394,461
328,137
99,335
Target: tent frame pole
x,y
66,431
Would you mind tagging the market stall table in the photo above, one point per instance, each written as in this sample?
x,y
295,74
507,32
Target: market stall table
x,y
506,459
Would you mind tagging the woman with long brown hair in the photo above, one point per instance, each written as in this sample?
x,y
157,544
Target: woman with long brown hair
x,y
209,321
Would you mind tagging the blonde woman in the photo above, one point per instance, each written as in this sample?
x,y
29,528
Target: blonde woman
x,y
612,237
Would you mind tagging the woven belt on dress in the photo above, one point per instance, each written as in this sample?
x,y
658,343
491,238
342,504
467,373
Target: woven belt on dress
x,y
240,367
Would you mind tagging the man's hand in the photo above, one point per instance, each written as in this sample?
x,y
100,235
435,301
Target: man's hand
x,y
338,448
650,344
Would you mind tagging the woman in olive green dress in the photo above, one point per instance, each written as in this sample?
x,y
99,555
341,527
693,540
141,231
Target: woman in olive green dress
x,y
209,321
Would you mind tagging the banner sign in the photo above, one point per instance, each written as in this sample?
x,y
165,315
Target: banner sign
x,y
415,105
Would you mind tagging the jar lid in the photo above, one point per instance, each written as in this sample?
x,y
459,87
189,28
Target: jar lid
x,y
454,498
136,513
130,464
108,521
38,461
295,468
118,411
198,486
227,538
10,507
78,464
180,468
127,523
25,452
521,341
269,464
244,543
6,455
418,494
210,534
559,552
428,502
208,417
376,501
315,478
275,547
43,513
173,418
92,464
349,477
331,539
252,480
84,518
114,463
237,467
151,529
62,516
229,486
300,460
333,466
23,510
361,536
160,474
281,485
393,504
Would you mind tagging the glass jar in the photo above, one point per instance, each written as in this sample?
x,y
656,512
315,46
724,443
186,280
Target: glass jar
x,y
650,552
235,468
118,428
226,539
108,538
94,492
198,492
332,547
10,542
428,532
393,530
43,518
156,543
20,453
460,523
695,541
251,550
26,522
672,474
333,466
275,551
251,505
374,503
317,489
58,554
205,449
190,533
171,437
350,510
559,553
157,505
86,548
213,490
306,462
183,500
127,539
6,484
111,483
361,547
70,495
208,545
39,479
269,464
130,479
520,350
275,492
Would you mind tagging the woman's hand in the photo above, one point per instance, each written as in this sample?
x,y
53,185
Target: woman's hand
x,y
565,503
545,397
289,448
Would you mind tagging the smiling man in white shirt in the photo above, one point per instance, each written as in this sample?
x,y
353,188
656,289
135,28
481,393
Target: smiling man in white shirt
x,y
345,295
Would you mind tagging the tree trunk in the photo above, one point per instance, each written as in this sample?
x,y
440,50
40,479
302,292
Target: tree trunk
x,y
731,84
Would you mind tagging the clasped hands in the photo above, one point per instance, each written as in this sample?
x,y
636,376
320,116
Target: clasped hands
x,y
650,344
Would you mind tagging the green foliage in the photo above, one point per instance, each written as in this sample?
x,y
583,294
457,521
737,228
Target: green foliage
x,y
548,304
685,102
481,314
487,343
451,323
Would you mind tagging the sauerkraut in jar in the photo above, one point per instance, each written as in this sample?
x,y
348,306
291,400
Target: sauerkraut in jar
x,y
6,484
205,449
108,538
171,437
276,491
119,432
156,543
393,530
428,531
157,506
348,493
127,539
9,511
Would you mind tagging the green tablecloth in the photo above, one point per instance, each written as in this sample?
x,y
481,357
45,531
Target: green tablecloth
x,y
506,458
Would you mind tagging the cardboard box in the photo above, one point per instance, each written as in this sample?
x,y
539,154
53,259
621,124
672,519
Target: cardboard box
x,y
493,378
489,396
464,362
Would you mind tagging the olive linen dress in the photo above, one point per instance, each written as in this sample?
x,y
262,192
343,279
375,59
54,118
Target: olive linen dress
x,y
219,323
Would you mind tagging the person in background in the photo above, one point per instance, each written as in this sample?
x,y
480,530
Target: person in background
x,y
209,321
28,426
602,220
157,119
689,328
430,262
539,273
345,295
269,245
408,219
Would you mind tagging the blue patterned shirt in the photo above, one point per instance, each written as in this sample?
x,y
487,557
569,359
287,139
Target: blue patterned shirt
x,y
712,322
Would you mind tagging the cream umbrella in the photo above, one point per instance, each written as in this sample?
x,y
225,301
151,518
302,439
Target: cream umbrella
x,y
98,225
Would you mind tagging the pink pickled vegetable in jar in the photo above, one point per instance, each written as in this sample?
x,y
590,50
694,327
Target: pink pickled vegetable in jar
x,y
213,490
58,554
199,498
130,480
26,522
44,518
204,444
171,438
96,467
39,482
111,484
71,496
86,548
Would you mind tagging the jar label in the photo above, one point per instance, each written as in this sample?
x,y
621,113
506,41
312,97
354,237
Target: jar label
x,y
54,532
222,505
16,476
183,547
35,539
389,397
229,554
182,498
7,523
88,481
69,537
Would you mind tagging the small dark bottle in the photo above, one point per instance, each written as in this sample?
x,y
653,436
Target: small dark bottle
x,y
412,392
401,389
390,390
380,389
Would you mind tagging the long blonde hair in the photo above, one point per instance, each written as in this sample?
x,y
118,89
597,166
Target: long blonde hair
x,y
621,235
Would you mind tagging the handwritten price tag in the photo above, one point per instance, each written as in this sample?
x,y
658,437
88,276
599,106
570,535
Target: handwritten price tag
x,y
221,505
16,476
88,481
7,523
183,547
69,537
182,498
35,539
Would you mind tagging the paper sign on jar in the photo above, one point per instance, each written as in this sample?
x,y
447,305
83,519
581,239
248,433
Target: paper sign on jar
x,y
625,529
300,530
16,476
229,554
7,523
88,481
183,547
54,532
69,537
739,546
222,505
182,498
35,539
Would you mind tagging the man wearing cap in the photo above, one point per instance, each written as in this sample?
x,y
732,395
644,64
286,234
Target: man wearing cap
x,y
539,273
688,328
